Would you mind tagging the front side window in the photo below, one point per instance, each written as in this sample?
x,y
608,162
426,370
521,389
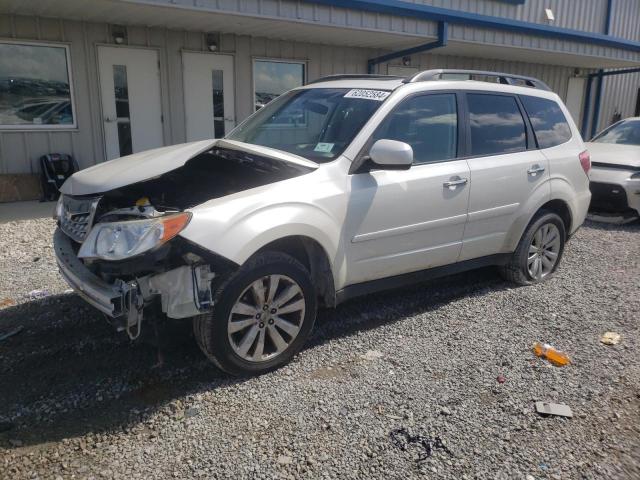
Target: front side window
x,y
549,123
626,132
497,126
429,123
273,78
35,87
317,123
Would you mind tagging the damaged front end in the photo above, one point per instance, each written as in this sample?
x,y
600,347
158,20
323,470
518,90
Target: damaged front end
x,y
120,249
172,278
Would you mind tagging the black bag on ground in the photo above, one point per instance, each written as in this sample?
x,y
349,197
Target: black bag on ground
x,y
55,168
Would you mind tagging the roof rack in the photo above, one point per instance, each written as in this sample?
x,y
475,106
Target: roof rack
x,y
355,76
504,78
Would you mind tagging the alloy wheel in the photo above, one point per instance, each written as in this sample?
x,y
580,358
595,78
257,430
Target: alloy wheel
x,y
543,251
266,318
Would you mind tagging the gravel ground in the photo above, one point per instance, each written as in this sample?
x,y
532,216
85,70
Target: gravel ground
x,y
78,400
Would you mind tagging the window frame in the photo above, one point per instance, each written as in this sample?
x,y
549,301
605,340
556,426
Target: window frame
x,y
529,145
534,136
34,127
304,63
461,132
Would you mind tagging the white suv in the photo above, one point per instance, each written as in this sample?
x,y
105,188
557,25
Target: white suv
x,y
343,187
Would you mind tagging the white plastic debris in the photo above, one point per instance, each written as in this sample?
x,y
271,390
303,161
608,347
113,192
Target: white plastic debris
x,y
372,355
558,409
610,338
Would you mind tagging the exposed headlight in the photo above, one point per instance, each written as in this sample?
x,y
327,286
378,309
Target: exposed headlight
x,y
119,240
57,213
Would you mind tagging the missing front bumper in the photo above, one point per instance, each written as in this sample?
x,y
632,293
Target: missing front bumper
x,y
184,291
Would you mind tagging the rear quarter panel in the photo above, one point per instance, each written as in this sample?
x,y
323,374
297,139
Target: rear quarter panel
x,y
569,182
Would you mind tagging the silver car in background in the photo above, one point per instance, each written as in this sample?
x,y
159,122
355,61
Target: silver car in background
x,y
615,172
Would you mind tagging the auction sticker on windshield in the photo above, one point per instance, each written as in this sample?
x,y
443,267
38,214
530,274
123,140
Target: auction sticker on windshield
x,y
323,147
378,95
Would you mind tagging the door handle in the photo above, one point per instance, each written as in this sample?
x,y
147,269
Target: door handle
x,y
454,182
535,170
109,119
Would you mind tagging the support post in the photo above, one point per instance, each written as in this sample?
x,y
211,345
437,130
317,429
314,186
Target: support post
x,y
597,104
587,107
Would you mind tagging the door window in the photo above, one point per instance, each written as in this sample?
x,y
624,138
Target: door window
x,y
218,103
497,125
549,123
122,109
429,123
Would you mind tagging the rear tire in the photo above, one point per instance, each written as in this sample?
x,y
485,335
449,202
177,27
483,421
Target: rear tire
x,y
262,316
539,251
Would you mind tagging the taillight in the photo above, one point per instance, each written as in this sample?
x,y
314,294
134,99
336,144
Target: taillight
x,y
585,161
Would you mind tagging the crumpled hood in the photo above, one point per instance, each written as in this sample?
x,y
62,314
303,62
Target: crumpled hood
x,y
149,164
614,153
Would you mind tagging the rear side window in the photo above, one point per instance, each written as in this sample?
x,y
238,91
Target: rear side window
x,y
549,123
429,123
497,125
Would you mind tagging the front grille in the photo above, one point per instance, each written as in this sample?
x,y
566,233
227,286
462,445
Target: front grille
x,y
608,197
77,216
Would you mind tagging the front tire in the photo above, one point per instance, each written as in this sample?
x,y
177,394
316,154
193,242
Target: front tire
x,y
539,251
262,316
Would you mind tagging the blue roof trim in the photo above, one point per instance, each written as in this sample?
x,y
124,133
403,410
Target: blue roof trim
x,y
427,12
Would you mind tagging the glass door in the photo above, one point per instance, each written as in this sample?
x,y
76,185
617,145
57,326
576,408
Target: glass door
x,y
208,95
130,95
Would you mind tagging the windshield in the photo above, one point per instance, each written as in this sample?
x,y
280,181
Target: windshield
x,y
317,123
626,132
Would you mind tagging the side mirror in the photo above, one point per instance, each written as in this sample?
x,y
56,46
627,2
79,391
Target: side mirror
x,y
391,155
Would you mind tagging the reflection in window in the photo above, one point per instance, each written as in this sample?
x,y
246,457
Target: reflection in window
x,y
34,86
549,124
121,91
626,132
497,125
429,123
218,103
272,78
331,121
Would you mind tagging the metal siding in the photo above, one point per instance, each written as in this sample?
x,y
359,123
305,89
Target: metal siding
x,y
620,93
625,19
590,20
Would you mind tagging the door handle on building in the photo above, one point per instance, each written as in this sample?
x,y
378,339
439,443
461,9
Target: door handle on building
x,y
454,182
109,119
535,170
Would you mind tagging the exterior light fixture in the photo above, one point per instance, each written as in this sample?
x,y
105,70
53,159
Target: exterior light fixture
x,y
119,34
212,42
549,14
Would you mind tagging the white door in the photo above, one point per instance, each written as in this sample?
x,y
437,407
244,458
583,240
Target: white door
x,y
130,91
404,221
575,98
507,172
208,95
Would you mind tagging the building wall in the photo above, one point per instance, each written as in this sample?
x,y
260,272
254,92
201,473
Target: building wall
x,y
19,150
